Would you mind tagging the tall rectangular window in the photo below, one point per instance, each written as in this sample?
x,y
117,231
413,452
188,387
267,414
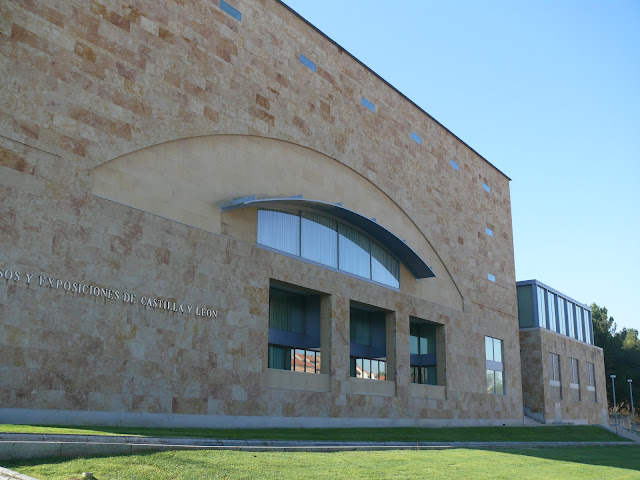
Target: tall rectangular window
x,y
572,328
367,332
551,311
579,323
574,385
587,325
294,331
542,316
422,343
591,386
494,349
562,323
554,376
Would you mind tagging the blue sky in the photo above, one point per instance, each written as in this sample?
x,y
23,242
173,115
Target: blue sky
x,y
549,92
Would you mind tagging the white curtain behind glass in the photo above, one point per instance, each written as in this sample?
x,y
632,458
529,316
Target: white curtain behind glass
x,y
319,239
354,252
279,230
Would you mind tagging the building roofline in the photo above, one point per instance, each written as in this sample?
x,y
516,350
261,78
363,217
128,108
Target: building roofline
x,y
342,49
551,289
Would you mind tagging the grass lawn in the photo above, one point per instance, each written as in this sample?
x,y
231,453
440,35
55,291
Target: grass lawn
x,y
548,463
561,433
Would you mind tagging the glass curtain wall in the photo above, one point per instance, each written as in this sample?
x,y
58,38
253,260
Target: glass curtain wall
x,y
558,314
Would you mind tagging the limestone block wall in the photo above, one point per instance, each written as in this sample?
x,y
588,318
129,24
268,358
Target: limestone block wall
x,y
536,344
84,83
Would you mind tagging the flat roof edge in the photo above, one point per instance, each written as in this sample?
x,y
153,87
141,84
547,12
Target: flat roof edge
x,y
341,48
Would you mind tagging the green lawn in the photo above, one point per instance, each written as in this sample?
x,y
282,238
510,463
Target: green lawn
x,y
548,463
561,433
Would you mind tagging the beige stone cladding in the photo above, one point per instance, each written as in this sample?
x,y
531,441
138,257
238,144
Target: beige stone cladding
x,y
536,345
107,112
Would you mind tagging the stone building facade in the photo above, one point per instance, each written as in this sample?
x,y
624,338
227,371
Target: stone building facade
x,y
134,137
563,378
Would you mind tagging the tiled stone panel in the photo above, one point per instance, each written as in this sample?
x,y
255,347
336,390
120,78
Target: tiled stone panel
x,y
86,82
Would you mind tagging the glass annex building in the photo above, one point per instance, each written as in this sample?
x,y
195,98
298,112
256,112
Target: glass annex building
x,y
214,215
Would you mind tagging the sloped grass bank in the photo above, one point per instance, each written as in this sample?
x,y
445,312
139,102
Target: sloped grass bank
x,y
563,463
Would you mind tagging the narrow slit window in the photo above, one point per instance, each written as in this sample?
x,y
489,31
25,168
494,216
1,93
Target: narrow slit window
x,y
416,138
225,7
307,63
486,187
455,165
488,231
368,104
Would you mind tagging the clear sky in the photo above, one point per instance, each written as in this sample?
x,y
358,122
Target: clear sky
x,y
547,91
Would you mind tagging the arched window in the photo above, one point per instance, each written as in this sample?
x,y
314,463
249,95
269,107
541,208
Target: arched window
x,y
326,241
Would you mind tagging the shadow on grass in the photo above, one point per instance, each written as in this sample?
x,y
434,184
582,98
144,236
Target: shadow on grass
x,y
560,433
627,457
624,457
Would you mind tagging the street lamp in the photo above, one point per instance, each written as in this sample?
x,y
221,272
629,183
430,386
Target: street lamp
x,y
633,412
615,407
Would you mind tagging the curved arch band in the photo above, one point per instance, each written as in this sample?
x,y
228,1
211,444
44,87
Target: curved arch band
x,y
390,241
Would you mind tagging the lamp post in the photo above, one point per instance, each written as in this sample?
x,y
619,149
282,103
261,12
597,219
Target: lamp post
x,y
633,412
615,407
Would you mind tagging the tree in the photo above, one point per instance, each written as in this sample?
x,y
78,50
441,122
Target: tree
x,y
621,355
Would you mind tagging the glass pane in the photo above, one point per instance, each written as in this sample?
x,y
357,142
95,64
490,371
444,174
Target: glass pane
x,y
572,329
279,230
499,383
359,368
299,360
542,317
319,239
414,374
354,252
424,347
384,268
587,331
286,311
366,368
382,370
276,357
488,346
497,350
561,320
551,303
578,323
491,387
360,326
318,362
432,375
413,345
374,369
